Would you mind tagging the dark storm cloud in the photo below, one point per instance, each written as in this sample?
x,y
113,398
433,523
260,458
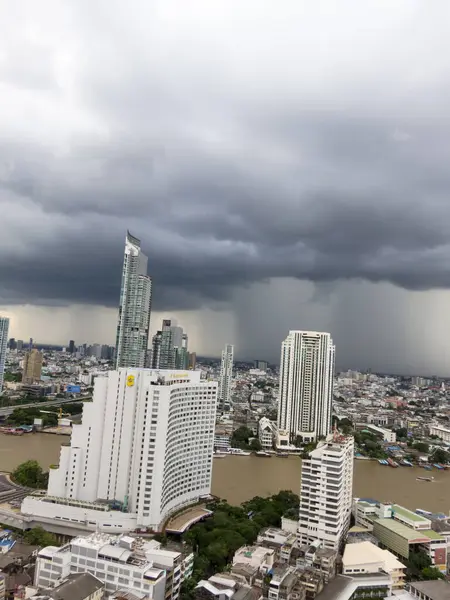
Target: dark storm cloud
x,y
230,158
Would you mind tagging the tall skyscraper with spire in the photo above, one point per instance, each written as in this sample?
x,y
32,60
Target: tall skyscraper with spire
x,y
4,328
135,307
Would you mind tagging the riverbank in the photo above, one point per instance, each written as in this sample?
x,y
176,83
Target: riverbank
x,y
240,478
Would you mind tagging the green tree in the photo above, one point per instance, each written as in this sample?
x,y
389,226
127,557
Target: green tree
x,y
30,474
401,432
39,537
255,445
430,573
418,561
440,455
345,425
240,437
421,447
13,377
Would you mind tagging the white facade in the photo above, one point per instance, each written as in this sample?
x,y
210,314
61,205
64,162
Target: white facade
x,y
4,328
134,308
226,375
144,447
441,432
306,384
266,432
388,435
326,492
122,563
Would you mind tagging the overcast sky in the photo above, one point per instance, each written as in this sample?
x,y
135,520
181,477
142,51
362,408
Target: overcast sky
x,y
285,164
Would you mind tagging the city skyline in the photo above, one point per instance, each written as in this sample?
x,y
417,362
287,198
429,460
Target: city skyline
x,y
266,202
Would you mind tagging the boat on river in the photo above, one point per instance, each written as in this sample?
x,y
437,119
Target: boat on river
x,y
239,452
425,479
263,454
392,463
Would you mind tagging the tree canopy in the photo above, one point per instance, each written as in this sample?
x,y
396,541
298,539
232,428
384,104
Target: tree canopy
x,y
39,537
440,455
30,474
216,540
240,437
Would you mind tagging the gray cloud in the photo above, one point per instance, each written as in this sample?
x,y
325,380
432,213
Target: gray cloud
x,y
239,146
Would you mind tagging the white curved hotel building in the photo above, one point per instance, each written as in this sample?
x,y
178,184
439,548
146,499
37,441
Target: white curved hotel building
x,y
145,446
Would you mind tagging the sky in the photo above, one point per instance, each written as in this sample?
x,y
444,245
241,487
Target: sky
x,y
285,166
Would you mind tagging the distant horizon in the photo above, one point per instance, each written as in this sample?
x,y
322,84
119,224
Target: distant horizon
x,y
367,371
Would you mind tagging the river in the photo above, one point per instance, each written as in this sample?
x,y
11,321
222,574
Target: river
x,y
239,478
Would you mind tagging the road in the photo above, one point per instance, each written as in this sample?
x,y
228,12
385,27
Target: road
x,y
7,410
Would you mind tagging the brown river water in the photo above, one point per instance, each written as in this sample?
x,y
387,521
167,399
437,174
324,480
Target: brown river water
x,y
239,478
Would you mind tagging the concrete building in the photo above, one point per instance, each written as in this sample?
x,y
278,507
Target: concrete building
x,y
365,559
441,432
76,586
306,385
266,433
429,590
405,531
388,435
134,308
120,563
257,557
143,451
326,492
32,367
4,329
226,376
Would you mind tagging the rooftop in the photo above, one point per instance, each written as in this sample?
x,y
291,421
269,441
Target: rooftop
x,y
435,590
408,533
77,587
335,588
366,552
182,522
408,514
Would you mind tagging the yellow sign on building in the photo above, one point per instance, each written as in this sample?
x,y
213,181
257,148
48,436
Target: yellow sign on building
x,y
130,380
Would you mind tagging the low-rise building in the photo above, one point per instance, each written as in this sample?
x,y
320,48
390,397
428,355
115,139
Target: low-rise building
x,y
141,567
266,432
285,584
344,587
388,435
429,590
78,586
258,557
443,433
366,558
225,587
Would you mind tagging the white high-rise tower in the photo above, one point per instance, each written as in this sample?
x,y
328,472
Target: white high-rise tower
x,y
4,328
306,385
145,448
135,307
226,375
326,492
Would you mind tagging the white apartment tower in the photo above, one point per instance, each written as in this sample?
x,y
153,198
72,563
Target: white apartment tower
x,y
306,385
144,447
4,328
134,308
326,492
226,375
